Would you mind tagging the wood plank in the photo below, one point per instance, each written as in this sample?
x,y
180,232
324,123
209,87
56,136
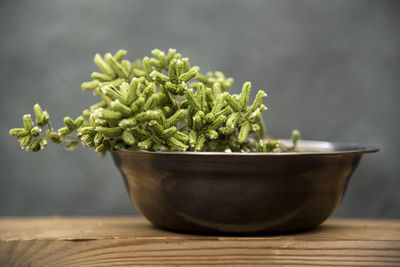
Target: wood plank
x,y
132,241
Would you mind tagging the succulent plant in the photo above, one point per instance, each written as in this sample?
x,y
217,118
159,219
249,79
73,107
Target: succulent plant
x,y
159,103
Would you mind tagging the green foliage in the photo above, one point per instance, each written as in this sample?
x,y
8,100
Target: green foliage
x,y
160,103
295,138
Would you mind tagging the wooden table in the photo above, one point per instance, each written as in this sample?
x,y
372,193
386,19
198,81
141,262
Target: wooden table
x,y
125,241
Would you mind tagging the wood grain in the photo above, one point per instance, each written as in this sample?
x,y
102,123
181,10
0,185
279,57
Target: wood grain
x,y
132,241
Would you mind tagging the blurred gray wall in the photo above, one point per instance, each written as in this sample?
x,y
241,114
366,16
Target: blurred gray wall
x,y
331,69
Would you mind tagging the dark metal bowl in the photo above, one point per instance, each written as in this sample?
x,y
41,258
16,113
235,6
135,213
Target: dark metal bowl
x,y
213,192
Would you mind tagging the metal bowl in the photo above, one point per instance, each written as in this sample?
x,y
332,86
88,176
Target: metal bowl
x,y
246,193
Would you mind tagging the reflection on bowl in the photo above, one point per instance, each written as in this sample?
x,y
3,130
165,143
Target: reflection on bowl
x,y
214,192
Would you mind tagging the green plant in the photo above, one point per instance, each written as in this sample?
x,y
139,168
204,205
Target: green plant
x,y
159,104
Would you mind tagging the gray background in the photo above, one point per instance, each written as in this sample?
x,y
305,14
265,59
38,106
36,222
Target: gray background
x,y
331,69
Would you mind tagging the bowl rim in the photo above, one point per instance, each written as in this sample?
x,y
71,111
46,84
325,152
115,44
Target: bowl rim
x,y
346,148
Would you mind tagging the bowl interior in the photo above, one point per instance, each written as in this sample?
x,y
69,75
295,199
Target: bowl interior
x,y
307,146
